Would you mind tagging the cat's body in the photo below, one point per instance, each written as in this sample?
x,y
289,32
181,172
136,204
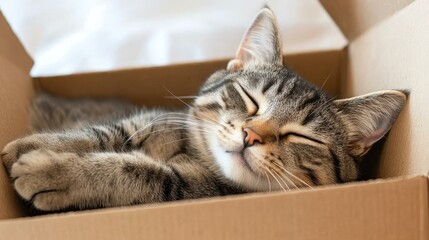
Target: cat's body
x,y
257,126
120,153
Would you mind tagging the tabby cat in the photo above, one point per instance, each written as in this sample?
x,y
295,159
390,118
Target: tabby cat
x,y
256,126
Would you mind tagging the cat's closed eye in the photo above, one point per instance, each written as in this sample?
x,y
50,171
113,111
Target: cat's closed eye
x,y
288,135
251,104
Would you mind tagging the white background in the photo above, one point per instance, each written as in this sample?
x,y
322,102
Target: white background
x,y
68,36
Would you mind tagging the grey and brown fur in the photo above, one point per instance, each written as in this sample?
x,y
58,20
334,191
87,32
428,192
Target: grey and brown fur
x,y
255,126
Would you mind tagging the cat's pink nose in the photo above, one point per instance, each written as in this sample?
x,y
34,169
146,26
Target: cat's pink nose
x,y
251,137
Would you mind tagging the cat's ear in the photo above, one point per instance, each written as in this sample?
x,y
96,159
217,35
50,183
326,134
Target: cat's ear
x,y
369,117
261,44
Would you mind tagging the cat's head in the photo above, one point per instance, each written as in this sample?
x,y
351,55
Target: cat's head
x,y
266,127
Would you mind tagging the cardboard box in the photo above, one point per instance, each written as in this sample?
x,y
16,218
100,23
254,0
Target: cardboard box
x,y
388,48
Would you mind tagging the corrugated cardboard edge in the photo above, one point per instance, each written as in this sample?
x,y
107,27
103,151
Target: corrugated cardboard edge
x,y
329,211
355,17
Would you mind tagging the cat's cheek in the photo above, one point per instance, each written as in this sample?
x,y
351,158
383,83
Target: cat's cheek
x,y
230,141
236,168
223,159
255,157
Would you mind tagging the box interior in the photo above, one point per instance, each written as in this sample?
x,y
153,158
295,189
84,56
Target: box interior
x,y
376,58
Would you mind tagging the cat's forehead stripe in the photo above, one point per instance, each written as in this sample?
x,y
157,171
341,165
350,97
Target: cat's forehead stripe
x,y
268,84
249,103
310,99
215,86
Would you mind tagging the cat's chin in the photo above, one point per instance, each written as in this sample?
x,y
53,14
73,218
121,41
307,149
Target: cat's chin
x,y
235,167
240,159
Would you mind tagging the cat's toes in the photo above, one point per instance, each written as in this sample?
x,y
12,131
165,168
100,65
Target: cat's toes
x,y
51,200
14,150
9,154
42,177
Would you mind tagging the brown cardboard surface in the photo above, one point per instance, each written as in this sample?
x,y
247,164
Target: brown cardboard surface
x,y
15,92
145,85
354,17
389,209
395,55
11,48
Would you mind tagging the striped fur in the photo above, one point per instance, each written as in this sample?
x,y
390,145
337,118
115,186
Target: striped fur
x,y
88,153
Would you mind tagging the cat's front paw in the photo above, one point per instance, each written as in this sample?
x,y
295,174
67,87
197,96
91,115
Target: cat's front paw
x,y
14,150
44,178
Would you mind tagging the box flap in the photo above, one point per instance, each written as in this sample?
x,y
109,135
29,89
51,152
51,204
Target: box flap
x,y
386,209
395,55
11,48
354,17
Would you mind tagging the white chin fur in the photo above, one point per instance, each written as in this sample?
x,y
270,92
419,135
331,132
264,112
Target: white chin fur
x,y
233,168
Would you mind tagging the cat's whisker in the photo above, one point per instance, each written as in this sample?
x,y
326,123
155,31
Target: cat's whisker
x,y
186,116
151,123
172,94
203,119
191,107
279,175
159,117
293,175
326,79
157,120
321,107
182,139
184,126
173,121
269,181
282,173
176,120
266,175
288,179
209,118
299,179
178,128
135,133
269,171
189,124
181,97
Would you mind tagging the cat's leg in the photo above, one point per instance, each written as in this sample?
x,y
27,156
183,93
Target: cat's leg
x,y
137,132
75,141
55,181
